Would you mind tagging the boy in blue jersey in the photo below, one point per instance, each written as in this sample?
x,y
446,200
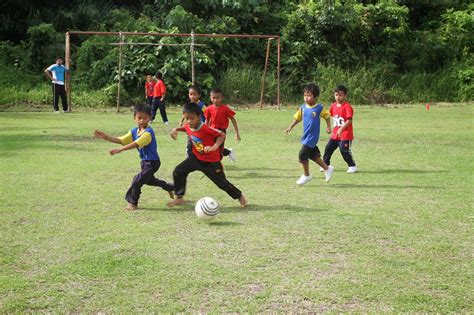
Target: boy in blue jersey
x,y
142,138
57,74
310,114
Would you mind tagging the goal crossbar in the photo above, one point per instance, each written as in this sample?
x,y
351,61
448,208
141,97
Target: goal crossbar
x,y
192,35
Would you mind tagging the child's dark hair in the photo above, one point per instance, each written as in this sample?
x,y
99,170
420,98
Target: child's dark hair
x,y
341,88
191,107
159,75
195,88
142,108
217,90
59,57
312,88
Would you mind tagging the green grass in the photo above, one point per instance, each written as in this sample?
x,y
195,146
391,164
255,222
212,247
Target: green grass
x,y
396,237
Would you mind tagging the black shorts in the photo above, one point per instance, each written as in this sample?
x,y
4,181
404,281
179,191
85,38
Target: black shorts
x,y
307,153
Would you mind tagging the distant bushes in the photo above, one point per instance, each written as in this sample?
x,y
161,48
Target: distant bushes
x,y
384,51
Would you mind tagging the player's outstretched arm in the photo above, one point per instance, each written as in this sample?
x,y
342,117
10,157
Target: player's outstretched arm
x,y
174,132
102,135
294,123
236,127
129,146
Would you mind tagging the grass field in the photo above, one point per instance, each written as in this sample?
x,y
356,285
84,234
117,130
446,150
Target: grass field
x,y
395,237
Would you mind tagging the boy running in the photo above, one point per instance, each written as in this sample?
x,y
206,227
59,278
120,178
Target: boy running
x,y
342,134
143,139
218,116
310,114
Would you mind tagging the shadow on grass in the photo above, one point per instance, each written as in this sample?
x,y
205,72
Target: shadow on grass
x,y
244,174
224,223
233,167
283,207
63,142
400,171
383,186
189,207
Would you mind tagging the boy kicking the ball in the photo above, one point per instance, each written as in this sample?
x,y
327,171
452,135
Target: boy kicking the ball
x,y
142,138
310,113
206,156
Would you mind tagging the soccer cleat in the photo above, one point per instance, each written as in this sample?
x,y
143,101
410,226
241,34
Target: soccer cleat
x,y
232,156
351,169
328,173
304,179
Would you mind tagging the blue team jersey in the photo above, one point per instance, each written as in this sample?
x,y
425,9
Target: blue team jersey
x,y
311,124
58,72
201,106
150,151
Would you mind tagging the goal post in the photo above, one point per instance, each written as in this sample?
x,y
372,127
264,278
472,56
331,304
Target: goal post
x,y
192,44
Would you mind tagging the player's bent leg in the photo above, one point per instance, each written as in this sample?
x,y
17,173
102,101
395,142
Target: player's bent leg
x,y
135,190
346,152
154,181
181,172
215,173
331,146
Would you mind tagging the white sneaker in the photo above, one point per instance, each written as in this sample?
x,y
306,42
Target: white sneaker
x,y
56,112
232,156
329,172
351,169
304,179
321,169
167,123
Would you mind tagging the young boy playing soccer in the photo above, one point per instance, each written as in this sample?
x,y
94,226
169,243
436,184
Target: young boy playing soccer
x,y
218,116
206,157
342,134
310,114
142,138
194,95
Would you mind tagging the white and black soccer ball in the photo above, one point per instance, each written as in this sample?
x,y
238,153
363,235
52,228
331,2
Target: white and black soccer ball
x,y
206,208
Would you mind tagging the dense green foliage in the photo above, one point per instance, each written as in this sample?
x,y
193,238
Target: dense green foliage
x,y
385,51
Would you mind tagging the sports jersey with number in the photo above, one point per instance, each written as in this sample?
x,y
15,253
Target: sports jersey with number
x,y
218,116
146,140
310,115
149,87
204,136
340,114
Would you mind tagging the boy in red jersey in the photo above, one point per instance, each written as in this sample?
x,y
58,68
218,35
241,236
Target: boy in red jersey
x,y
342,133
218,115
206,157
159,93
149,87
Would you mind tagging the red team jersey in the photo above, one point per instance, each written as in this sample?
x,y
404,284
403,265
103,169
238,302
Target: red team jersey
x,y
149,86
218,117
203,137
159,89
339,116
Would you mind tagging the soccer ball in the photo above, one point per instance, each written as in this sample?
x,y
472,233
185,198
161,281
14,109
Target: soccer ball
x,y
206,208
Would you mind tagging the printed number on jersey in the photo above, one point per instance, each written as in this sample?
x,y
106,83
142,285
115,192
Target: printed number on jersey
x,y
338,121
